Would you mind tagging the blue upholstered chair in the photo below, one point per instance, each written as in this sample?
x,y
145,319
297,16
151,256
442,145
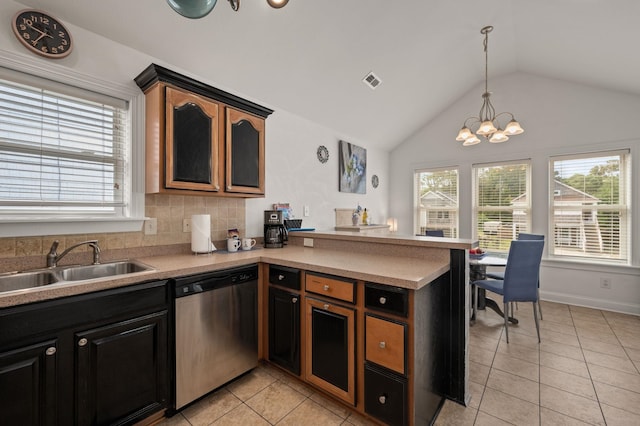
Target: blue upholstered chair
x,y
500,275
434,233
520,283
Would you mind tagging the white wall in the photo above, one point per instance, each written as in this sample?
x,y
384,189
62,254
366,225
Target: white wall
x,y
293,173
558,118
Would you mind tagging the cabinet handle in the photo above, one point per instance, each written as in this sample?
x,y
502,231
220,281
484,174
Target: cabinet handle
x,y
382,399
280,277
382,345
50,351
82,342
326,287
383,300
326,306
294,300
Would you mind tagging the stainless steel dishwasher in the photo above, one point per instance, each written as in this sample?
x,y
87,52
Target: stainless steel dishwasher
x,y
216,334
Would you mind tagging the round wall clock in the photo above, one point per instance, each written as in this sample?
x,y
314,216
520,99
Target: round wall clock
x,y
323,154
375,181
41,33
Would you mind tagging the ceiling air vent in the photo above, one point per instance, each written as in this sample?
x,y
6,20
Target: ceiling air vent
x,y
372,80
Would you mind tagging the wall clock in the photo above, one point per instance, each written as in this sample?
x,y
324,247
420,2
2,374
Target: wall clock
x,y
323,154
41,33
375,181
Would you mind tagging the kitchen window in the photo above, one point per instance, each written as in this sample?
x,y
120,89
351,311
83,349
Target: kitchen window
x,y
501,203
437,201
590,206
65,157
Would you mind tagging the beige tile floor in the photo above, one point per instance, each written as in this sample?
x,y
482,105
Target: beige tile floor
x,y
585,371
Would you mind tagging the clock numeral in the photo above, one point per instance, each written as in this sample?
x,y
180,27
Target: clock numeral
x,y
44,49
54,50
61,48
23,27
27,21
44,20
62,34
34,43
26,36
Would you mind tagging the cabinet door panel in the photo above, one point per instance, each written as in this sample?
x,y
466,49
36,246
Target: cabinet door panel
x,y
244,152
28,385
284,329
122,370
192,142
330,339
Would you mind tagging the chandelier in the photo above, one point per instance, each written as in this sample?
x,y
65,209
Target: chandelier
x,y
196,9
487,121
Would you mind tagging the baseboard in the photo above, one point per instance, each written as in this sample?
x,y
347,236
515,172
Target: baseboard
x,y
588,302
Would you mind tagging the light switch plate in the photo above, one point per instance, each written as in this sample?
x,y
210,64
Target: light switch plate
x,y
306,211
151,226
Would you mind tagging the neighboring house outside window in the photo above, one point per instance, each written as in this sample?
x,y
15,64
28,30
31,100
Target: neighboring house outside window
x,y
590,206
501,203
437,201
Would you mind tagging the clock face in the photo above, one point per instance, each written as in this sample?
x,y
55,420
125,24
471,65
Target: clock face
x,y
42,34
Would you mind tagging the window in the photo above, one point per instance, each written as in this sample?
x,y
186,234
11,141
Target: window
x,y
590,206
437,201
76,178
501,203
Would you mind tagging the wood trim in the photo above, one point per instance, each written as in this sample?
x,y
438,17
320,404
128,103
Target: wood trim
x,y
234,116
154,131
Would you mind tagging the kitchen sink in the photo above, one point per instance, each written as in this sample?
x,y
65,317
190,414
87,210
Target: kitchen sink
x,y
79,273
22,280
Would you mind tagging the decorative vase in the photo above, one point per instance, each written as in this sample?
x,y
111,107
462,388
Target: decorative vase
x,y
355,218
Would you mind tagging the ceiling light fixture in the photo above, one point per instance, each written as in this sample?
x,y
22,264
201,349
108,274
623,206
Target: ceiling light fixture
x,y
277,4
196,9
489,127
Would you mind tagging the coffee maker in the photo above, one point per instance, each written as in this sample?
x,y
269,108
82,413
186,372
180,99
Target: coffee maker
x,y
275,233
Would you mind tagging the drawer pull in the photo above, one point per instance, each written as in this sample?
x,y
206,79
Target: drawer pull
x,y
280,277
326,287
294,300
383,300
326,306
50,351
82,342
382,345
382,399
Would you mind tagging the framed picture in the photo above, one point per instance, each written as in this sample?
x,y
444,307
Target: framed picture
x,y
352,166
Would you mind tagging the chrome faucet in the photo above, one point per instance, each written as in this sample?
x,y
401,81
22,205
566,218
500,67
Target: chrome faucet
x,y
53,257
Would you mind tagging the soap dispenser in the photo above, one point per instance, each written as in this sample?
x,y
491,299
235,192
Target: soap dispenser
x,y
365,217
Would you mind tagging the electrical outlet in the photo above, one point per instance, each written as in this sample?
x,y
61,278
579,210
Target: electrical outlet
x,y
306,211
151,226
308,242
186,225
605,283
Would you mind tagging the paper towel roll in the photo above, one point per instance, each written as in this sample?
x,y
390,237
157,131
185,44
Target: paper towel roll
x,y
201,233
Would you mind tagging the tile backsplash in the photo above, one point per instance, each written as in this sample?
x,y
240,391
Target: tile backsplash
x,y
170,210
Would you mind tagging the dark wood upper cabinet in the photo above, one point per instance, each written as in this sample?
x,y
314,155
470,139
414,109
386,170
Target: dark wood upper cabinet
x,y
201,140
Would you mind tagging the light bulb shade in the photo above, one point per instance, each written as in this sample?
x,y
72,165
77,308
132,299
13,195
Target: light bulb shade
x,y
192,9
277,4
513,128
498,136
472,140
463,134
486,128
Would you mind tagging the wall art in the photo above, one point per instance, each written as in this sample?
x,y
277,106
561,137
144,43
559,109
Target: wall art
x,y
352,168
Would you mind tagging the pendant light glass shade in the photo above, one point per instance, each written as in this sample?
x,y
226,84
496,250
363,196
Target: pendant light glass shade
x,y
486,128
513,128
192,9
277,4
463,134
498,136
471,141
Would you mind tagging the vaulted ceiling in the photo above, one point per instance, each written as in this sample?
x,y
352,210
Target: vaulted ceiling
x,y
310,57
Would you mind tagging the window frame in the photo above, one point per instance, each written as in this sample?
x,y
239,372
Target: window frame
x,y
132,216
476,209
624,210
454,224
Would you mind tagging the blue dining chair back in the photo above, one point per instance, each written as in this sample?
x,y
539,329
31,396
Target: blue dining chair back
x,y
435,233
520,283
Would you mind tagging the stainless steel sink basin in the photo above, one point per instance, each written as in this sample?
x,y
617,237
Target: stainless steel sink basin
x,y
23,280
79,273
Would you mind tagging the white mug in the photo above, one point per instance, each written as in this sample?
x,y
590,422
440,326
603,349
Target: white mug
x,y
248,243
233,244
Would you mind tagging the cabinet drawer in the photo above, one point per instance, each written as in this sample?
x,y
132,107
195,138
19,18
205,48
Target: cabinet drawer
x,y
330,286
385,396
385,343
385,298
286,277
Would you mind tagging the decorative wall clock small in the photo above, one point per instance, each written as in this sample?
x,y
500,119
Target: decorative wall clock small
x,y
42,34
323,154
375,181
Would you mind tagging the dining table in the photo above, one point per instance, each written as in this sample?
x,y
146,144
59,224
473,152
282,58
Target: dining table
x,y
478,271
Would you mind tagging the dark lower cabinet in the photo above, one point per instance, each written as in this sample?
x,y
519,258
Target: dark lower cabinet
x,y
94,359
28,385
284,329
385,396
121,370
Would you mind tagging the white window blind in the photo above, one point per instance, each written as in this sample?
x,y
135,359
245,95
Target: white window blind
x,y
61,154
437,201
590,196
501,203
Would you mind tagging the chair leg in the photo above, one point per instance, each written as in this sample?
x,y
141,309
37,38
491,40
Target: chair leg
x,y
535,317
506,320
539,304
475,303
